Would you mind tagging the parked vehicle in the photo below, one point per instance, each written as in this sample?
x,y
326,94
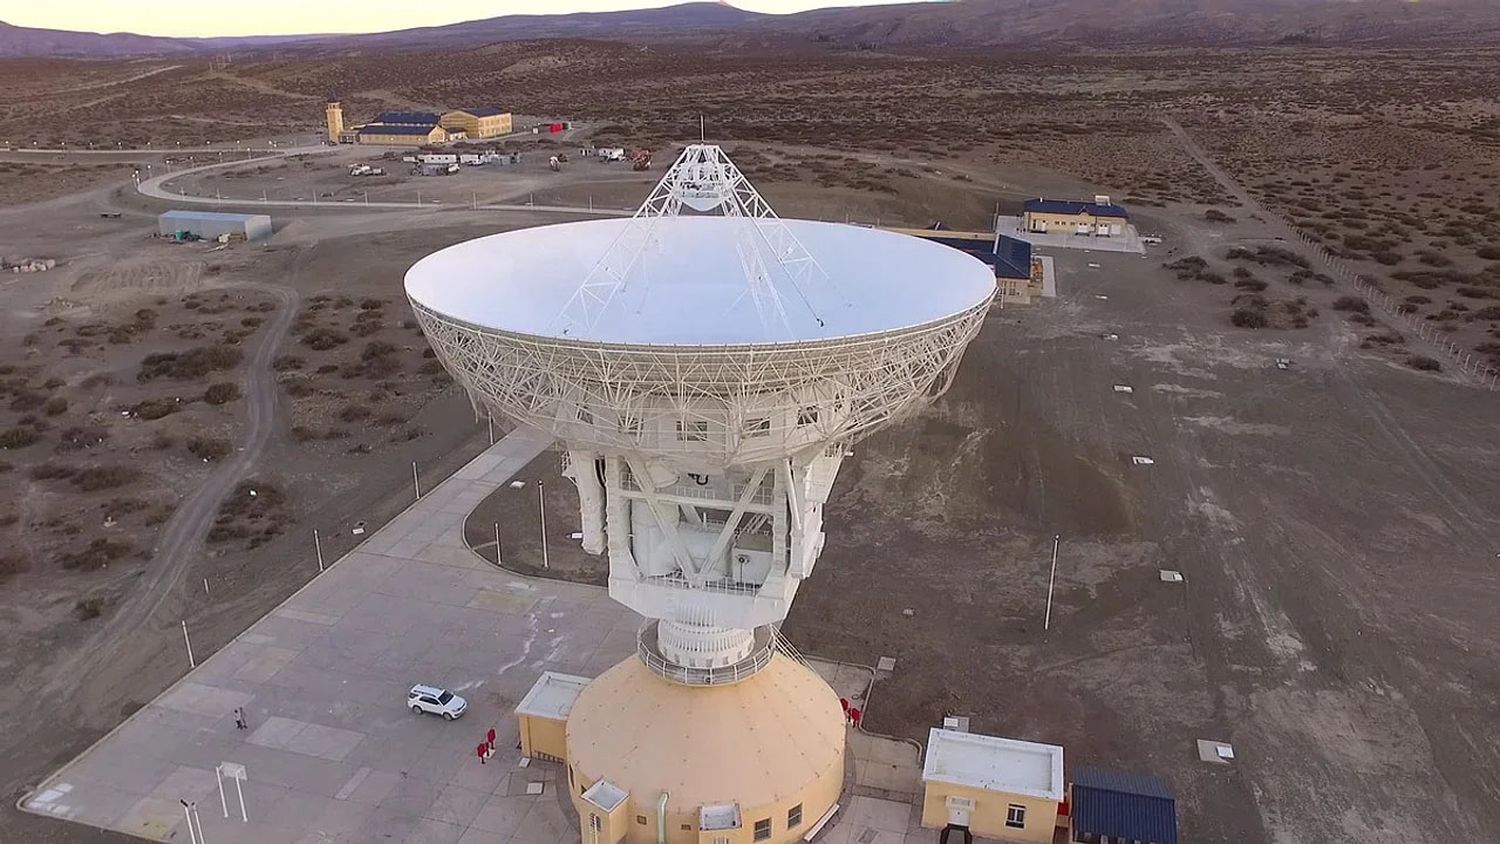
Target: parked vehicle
x,y
435,701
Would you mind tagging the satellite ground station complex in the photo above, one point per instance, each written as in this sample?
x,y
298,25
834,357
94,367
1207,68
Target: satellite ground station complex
x,y
705,365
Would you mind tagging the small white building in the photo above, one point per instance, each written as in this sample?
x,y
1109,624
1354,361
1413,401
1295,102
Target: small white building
x,y
995,787
542,715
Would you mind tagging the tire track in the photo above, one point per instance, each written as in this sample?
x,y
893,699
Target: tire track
x,y
110,651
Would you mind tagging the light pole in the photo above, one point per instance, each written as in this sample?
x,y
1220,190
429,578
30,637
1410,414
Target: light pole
x,y
1051,578
541,501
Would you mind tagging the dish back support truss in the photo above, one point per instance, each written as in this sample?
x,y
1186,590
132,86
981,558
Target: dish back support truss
x,y
705,180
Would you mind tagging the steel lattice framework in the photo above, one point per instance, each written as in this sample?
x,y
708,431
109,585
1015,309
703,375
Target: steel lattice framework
x,y
704,406
705,180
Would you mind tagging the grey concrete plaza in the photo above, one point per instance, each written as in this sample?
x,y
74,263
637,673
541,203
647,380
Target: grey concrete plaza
x,y
330,751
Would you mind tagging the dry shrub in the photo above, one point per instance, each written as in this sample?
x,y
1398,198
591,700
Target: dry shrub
x,y
98,553
155,408
95,478
18,436
208,446
221,393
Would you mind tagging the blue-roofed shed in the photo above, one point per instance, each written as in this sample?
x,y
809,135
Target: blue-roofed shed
x,y
1120,807
390,129
1073,207
406,118
1012,258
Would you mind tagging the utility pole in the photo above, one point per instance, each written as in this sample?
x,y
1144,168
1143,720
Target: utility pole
x,y
1051,578
542,505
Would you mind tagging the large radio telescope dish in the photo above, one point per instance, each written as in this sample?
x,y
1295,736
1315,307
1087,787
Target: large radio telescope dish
x,y
705,374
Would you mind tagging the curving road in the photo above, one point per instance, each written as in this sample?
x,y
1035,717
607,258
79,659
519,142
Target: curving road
x,y
155,187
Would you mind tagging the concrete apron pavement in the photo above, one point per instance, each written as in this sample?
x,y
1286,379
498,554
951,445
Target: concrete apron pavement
x,y
330,751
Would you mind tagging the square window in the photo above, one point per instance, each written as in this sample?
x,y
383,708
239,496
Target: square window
x,y
1015,816
693,431
762,829
758,427
807,416
794,817
585,415
640,819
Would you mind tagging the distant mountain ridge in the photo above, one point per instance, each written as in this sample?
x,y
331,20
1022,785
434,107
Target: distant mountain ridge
x,y
959,24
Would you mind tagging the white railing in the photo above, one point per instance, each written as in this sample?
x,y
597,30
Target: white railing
x,y
649,651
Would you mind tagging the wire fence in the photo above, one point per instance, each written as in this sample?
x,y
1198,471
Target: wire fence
x,y
1465,359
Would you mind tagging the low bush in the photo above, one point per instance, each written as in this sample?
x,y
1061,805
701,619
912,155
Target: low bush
x,y
193,363
221,393
18,436
323,339
55,406
208,447
95,478
1248,318
155,408
98,553
1353,304
1424,363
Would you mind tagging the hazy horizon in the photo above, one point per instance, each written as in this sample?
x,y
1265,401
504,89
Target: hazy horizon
x,y
299,17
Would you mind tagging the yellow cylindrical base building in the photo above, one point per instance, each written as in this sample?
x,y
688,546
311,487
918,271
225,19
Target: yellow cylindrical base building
x,y
651,760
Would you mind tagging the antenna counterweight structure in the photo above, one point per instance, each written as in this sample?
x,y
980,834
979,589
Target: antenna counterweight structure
x,y
705,180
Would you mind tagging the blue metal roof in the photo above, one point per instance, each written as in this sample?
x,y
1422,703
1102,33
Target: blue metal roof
x,y
1009,256
1072,206
1012,257
386,129
1135,807
407,118
216,216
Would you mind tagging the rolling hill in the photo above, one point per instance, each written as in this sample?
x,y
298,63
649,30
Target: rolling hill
x,y
960,25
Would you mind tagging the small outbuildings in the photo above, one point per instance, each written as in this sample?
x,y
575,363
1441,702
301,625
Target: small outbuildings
x,y
1100,218
210,225
1109,807
991,787
542,715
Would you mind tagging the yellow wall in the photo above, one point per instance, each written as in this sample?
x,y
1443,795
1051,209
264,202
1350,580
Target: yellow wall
x,y
542,736
1066,223
477,127
987,819
437,135
613,826
816,799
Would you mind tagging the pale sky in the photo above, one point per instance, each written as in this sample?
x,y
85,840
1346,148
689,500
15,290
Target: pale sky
x,y
283,17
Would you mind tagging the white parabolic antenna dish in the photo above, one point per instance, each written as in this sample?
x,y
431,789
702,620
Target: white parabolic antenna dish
x,y
690,288
707,341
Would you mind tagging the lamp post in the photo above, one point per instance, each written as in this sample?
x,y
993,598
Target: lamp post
x,y
541,501
1051,578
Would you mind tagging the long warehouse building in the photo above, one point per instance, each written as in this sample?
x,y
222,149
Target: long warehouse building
x,y
211,224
